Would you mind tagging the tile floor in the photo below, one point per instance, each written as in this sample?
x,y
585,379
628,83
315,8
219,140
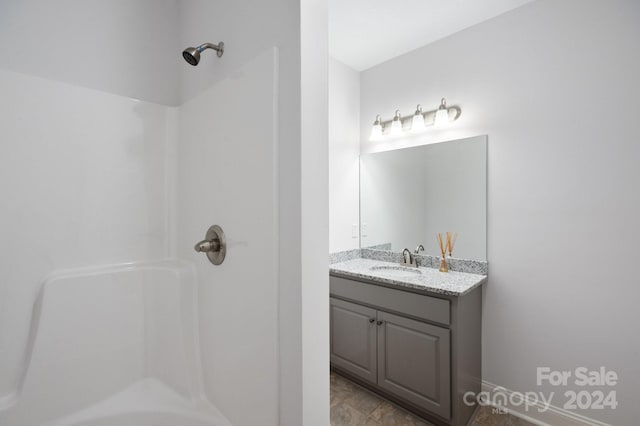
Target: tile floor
x,y
352,405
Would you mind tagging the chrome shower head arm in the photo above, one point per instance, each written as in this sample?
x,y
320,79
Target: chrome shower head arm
x,y
219,48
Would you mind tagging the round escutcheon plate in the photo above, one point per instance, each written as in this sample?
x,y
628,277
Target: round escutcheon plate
x,y
216,233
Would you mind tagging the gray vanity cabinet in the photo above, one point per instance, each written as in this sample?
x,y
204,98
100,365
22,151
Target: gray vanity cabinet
x,y
407,357
353,338
413,361
419,349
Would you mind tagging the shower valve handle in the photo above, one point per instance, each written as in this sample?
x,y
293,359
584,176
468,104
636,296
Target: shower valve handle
x,y
205,246
214,245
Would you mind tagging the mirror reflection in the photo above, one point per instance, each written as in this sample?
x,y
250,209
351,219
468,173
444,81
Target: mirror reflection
x,y
409,195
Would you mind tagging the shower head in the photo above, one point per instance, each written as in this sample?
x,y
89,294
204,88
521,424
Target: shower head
x,y
192,54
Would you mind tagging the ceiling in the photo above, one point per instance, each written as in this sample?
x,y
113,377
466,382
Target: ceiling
x,y
364,33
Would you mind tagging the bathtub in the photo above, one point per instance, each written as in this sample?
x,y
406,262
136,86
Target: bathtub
x,y
114,345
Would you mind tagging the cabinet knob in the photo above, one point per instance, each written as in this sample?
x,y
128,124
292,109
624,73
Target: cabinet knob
x,y
371,320
380,322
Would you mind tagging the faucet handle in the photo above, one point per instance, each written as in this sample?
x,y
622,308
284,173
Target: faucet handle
x,y
407,258
214,245
419,249
206,246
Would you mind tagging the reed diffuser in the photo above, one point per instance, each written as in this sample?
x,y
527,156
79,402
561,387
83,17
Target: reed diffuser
x,y
443,250
446,245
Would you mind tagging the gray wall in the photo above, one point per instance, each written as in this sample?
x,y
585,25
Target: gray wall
x,y
563,203
344,152
124,47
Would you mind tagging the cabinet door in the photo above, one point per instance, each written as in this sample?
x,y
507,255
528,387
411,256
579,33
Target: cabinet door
x,y
353,338
413,362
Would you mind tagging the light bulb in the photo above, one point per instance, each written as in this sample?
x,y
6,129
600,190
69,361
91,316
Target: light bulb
x,y
442,115
376,130
396,125
417,123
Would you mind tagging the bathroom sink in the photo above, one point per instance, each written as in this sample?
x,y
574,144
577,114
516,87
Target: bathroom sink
x,y
395,271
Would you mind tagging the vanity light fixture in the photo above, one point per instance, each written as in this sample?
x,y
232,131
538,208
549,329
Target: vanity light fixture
x,y
442,115
415,123
396,125
376,130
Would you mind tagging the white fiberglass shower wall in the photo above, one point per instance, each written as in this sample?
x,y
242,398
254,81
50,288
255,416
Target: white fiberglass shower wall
x,y
115,158
238,299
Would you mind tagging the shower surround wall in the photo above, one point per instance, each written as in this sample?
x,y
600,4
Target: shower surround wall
x,y
82,178
232,169
249,28
91,176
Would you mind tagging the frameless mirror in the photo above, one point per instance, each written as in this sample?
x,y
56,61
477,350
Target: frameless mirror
x,y
409,195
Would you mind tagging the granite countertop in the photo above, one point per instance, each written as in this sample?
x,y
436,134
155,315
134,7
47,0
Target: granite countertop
x,y
430,279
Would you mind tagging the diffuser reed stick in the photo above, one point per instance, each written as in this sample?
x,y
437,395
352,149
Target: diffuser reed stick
x,y
451,242
443,251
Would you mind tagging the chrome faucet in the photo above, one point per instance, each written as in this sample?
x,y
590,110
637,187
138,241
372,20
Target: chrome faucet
x,y
419,249
408,259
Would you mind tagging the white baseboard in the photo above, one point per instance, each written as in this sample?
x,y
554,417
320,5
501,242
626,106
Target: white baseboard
x,y
553,416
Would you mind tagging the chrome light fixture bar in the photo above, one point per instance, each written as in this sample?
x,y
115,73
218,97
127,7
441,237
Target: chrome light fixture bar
x,y
414,123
